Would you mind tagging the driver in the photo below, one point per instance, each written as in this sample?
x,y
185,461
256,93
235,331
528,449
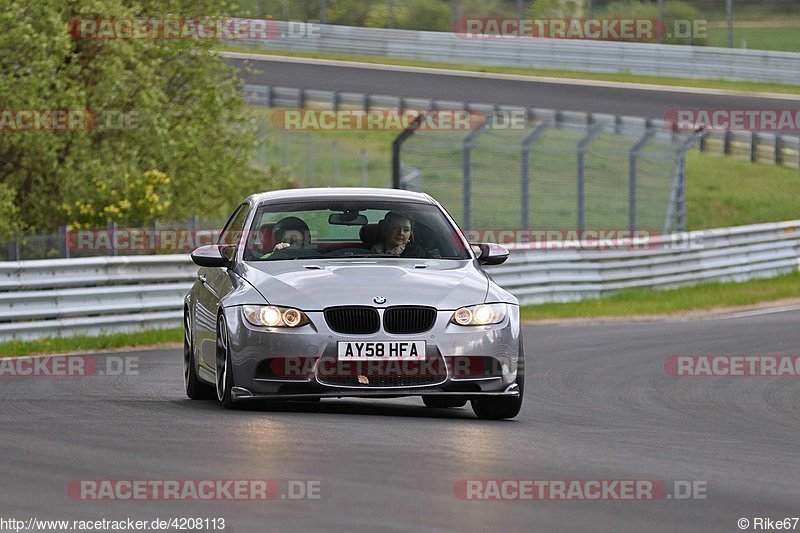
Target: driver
x,y
395,233
290,232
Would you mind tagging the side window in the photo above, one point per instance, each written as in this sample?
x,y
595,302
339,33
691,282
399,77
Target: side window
x,y
232,233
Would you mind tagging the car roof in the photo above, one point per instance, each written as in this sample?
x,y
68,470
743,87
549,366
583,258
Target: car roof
x,y
320,193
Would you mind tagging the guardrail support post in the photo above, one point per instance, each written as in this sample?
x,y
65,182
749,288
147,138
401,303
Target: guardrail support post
x,y
778,149
467,170
633,175
753,147
728,142
270,96
301,98
397,146
583,146
525,174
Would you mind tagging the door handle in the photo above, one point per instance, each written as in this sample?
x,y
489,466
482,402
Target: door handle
x,y
201,278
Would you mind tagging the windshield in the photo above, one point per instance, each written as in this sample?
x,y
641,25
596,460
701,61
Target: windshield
x,y
333,228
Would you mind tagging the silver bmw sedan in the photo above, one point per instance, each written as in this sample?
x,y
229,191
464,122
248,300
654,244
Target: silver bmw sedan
x,y
351,292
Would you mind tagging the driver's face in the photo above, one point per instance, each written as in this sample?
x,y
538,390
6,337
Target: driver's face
x,y
398,231
293,237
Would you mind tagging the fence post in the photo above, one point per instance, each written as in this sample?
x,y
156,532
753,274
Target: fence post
x,y
677,202
64,235
583,146
270,96
467,173
778,149
301,98
397,146
336,98
13,249
111,227
633,161
753,147
525,172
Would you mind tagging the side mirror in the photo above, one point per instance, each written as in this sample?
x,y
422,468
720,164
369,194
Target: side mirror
x,y
212,255
492,254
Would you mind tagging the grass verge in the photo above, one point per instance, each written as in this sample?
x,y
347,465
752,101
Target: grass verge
x,y
724,191
703,83
648,302
154,337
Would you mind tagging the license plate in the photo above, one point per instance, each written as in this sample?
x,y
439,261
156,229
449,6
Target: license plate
x,y
382,351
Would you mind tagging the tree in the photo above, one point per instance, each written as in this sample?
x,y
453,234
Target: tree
x,y
183,109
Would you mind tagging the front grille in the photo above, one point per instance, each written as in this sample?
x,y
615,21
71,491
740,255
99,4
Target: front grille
x,y
382,373
408,319
352,320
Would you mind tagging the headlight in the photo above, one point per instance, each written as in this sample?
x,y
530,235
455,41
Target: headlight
x,y
275,317
479,315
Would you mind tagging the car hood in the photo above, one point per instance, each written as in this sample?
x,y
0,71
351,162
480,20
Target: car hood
x,y
315,285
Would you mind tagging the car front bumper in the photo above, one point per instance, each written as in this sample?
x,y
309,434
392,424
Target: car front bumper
x,y
282,363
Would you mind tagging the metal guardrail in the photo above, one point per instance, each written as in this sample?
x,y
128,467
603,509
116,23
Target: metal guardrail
x,y
550,273
564,54
90,296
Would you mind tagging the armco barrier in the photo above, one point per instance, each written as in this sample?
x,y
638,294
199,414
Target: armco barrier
x,y
65,297
563,54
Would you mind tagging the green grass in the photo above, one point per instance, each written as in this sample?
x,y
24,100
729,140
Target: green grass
x,y
154,337
615,77
646,302
724,191
779,38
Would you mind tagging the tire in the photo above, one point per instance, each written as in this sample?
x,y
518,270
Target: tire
x,y
443,402
500,407
195,389
223,372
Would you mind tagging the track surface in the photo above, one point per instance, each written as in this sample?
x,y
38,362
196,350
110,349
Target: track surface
x,y
567,96
599,406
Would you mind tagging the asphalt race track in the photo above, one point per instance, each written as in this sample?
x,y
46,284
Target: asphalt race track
x,y
599,405
573,96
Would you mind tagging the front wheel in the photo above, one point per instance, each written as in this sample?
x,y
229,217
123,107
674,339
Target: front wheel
x,y
195,389
224,372
503,407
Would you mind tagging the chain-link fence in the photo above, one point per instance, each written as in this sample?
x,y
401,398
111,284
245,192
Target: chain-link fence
x,y
316,161
555,173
